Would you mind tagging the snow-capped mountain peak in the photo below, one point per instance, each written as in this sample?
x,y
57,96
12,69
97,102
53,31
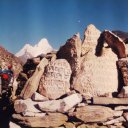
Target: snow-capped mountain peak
x,y
29,51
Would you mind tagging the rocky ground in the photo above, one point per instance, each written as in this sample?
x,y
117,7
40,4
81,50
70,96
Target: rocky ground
x,y
83,85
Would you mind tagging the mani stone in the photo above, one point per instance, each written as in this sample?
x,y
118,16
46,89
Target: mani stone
x,y
98,75
50,120
55,81
91,36
94,113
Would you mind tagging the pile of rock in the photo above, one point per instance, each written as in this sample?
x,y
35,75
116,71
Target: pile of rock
x,y
78,87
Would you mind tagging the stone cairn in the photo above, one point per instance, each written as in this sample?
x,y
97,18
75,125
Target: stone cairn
x,y
83,85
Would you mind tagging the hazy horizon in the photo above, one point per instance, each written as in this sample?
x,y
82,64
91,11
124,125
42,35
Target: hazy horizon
x,y
28,21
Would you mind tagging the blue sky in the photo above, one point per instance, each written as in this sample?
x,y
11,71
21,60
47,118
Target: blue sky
x,y
28,21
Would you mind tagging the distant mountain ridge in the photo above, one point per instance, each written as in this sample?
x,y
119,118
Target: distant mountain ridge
x,y
29,51
7,58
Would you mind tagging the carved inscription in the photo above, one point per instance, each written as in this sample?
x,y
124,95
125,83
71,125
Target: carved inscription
x,y
98,76
55,81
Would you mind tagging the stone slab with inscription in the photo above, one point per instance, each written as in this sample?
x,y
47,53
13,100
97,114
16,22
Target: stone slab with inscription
x,y
55,81
98,75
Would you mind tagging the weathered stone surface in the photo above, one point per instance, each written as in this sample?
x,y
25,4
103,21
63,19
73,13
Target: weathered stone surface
x,y
51,120
118,108
107,101
69,125
94,77
71,51
33,114
37,97
28,105
56,79
116,120
113,41
118,113
91,126
62,105
94,113
123,66
91,36
32,84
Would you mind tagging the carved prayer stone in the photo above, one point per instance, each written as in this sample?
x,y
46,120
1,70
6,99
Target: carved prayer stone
x,y
98,76
55,81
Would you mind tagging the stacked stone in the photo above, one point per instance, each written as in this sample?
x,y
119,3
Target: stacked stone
x,y
48,100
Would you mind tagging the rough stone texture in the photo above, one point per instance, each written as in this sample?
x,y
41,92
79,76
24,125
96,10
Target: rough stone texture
x,y
113,41
111,101
51,120
71,51
116,120
94,113
118,108
37,97
32,84
91,36
33,114
98,75
55,81
62,105
91,126
123,66
69,125
28,105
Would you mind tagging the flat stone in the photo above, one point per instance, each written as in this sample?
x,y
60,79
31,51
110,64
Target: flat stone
x,y
94,113
62,105
33,114
116,120
117,108
110,101
50,120
55,81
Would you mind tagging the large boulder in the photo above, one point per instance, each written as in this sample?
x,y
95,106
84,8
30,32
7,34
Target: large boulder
x,y
55,81
98,75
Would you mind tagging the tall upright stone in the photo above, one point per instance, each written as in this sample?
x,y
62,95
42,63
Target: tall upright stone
x,y
91,36
55,81
98,75
71,51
